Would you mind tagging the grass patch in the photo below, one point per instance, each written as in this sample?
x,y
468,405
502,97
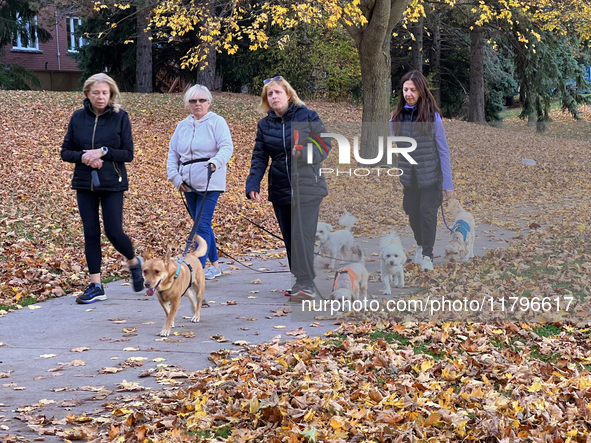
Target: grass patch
x,y
22,303
548,330
389,337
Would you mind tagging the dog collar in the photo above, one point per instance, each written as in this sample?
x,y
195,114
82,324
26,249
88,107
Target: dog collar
x,y
462,226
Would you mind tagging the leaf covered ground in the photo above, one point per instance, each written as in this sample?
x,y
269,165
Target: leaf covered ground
x,y
42,242
383,379
372,382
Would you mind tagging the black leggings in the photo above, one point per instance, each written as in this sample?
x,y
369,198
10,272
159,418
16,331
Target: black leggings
x,y
112,204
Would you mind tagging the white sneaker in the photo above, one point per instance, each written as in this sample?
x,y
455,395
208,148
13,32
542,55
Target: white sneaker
x,y
212,273
427,264
418,256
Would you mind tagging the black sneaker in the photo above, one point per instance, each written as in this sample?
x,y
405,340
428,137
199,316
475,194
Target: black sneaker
x,y
92,293
137,276
303,292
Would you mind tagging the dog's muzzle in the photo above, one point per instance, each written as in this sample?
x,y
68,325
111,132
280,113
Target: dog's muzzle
x,y
150,292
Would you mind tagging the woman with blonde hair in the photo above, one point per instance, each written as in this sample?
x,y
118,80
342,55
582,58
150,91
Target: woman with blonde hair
x,y
99,143
285,111
201,141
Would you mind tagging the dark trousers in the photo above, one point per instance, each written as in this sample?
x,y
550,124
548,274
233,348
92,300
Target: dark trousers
x,y
112,205
299,240
422,206
204,228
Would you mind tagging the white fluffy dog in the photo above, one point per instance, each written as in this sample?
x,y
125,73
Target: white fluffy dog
x,y
331,243
392,258
461,246
351,281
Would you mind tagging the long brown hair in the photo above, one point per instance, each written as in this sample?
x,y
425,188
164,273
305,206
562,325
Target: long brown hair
x,y
426,104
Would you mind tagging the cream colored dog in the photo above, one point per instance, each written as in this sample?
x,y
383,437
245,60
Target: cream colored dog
x,y
171,279
461,246
352,280
331,243
392,259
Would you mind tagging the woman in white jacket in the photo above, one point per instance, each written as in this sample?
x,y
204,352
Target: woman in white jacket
x,y
202,139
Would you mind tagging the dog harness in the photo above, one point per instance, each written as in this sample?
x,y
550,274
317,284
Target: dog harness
x,y
353,277
461,226
178,271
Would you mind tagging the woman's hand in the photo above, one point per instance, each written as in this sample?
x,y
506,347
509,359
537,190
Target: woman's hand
x,y
184,188
254,195
448,193
212,166
96,164
90,155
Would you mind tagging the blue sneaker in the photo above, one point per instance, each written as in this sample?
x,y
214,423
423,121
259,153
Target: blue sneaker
x,y
92,293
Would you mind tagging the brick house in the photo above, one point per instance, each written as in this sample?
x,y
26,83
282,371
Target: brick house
x,y
52,61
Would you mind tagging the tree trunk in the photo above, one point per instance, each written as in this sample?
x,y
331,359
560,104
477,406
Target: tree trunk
x,y
143,55
476,111
373,46
416,61
436,55
377,88
206,70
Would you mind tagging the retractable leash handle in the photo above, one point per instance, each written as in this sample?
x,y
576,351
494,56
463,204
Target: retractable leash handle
x,y
95,178
296,139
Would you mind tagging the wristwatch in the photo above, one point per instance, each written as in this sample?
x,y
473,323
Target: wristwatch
x,y
104,151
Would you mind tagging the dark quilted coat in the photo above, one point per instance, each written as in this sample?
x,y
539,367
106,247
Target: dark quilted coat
x,y
274,141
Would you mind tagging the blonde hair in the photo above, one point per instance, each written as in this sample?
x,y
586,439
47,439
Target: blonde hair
x,y
194,91
292,96
114,99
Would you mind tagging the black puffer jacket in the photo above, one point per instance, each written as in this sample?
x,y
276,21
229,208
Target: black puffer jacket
x,y
274,140
89,131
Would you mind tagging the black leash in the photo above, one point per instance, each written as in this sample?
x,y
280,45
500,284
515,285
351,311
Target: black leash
x,y
248,267
445,221
198,216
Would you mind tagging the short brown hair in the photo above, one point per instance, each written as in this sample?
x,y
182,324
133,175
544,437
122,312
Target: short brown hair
x,y
291,94
114,99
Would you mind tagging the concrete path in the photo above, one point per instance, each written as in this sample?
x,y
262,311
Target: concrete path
x,y
59,358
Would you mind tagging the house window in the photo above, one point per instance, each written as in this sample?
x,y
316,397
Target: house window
x,y
74,39
25,41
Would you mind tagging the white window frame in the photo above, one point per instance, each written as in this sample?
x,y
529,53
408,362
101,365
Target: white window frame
x,y
72,39
19,43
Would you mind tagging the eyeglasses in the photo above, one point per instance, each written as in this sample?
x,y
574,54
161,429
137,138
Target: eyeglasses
x,y
272,79
200,100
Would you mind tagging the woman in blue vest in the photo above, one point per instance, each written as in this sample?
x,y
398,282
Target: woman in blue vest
x,y
429,180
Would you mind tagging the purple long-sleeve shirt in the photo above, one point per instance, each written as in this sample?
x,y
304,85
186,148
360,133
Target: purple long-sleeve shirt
x,y
442,148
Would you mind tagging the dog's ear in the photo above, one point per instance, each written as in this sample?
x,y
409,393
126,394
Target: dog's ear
x,y
168,254
145,255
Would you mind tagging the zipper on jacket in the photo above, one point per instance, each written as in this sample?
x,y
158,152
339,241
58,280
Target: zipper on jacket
x,y
118,171
93,132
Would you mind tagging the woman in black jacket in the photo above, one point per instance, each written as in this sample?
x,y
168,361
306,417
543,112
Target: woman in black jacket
x,y
286,114
99,142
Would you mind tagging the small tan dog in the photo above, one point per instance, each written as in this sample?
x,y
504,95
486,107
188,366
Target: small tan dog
x,y
461,246
171,279
351,281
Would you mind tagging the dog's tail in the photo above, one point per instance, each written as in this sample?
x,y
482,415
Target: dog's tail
x,y
347,220
391,239
358,250
202,249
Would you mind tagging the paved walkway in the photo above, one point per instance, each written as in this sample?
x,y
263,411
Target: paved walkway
x,y
66,358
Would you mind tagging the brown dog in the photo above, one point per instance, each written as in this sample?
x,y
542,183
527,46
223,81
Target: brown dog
x,y
172,279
